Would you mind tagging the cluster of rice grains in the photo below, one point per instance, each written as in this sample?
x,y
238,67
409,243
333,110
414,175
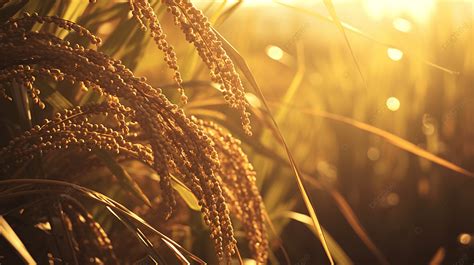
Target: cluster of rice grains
x,y
209,162
199,32
240,190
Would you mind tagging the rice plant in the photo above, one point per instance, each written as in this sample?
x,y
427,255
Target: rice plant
x,y
235,132
130,120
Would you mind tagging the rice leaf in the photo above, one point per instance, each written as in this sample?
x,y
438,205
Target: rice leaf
x,y
21,99
183,190
242,65
7,232
119,37
217,12
278,240
350,217
62,188
354,222
295,83
103,14
207,113
62,235
10,10
332,12
147,260
71,11
389,137
185,193
339,255
226,14
54,98
122,176
152,253
178,254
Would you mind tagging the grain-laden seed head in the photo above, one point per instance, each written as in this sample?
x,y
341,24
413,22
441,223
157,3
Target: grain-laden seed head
x,y
143,11
199,32
240,189
175,144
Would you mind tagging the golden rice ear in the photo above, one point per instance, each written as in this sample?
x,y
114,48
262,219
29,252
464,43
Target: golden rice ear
x,y
27,20
197,31
142,11
240,190
16,77
72,129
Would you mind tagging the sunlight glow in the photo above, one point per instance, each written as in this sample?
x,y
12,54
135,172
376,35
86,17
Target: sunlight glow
x,y
402,24
253,3
394,54
274,52
419,10
393,103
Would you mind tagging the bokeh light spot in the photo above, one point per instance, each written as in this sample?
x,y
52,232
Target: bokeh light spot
x,y
465,239
394,54
274,52
393,199
393,103
402,25
253,100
